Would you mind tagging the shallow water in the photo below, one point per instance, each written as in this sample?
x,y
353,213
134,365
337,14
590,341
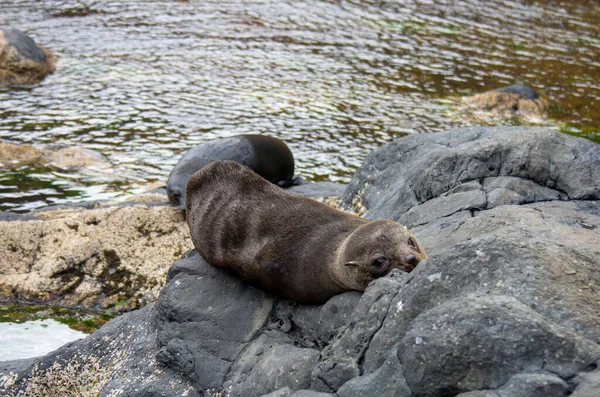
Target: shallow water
x,y
34,338
142,81
33,330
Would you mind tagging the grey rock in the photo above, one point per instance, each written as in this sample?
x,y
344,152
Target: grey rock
x,y
534,385
202,340
267,366
22,61
283,392
588,383
118,359
506,305
267,156
521,90
407,173
319,189
340,360
536,253
310,393
315,325
6,216
479,393
387,381
475,342
24,45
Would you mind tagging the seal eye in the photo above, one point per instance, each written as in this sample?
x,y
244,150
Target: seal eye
x,y
379,261
412,243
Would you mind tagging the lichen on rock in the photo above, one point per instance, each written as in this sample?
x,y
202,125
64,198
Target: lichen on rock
x,y
112,256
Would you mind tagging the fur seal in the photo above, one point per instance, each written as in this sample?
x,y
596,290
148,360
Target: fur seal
x,y
287,243
267,156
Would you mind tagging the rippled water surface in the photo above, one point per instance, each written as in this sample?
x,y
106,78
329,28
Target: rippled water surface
x,y
142,81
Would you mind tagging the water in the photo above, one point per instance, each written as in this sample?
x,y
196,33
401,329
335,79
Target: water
x,y
142,81
31,330
34,338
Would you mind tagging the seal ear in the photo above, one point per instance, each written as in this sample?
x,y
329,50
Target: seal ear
x,y
351,264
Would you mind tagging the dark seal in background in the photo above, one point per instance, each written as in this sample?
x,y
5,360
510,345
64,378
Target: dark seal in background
x,y
269,157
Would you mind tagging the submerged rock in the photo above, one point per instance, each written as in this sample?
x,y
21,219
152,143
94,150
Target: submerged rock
x,y
55,156
21,60
505,305
515,101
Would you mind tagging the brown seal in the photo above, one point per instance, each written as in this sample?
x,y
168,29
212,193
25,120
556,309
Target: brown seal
x,y
287,243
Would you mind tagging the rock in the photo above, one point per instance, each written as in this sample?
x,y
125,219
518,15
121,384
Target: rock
x,y
319,189
506,304
388,380
21,60
283,392
515,101
202,341
111,256
55,156
340,360
474,342
588,383
267,156
422,177
534,385
116,360
271,366
309,393
479,393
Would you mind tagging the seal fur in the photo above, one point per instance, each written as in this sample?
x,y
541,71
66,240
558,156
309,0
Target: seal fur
x,y
286,243
268,156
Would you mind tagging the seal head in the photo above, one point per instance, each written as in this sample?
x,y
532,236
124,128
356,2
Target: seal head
x,y
373,250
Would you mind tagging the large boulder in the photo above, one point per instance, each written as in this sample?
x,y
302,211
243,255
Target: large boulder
x,y
505,305
21,60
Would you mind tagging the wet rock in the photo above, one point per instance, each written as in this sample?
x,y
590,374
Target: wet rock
x,y
21,60
515,101
267,156
506,304
108,256
55,156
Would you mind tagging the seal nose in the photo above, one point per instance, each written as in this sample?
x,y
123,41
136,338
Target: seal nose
x,y
411,259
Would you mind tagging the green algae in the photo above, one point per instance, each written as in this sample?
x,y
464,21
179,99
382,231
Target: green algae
x,y
85,321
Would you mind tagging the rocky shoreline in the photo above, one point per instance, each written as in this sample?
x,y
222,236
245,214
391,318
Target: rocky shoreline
x,y
505,305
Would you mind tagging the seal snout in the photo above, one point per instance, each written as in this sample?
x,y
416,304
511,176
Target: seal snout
x,y
411,259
